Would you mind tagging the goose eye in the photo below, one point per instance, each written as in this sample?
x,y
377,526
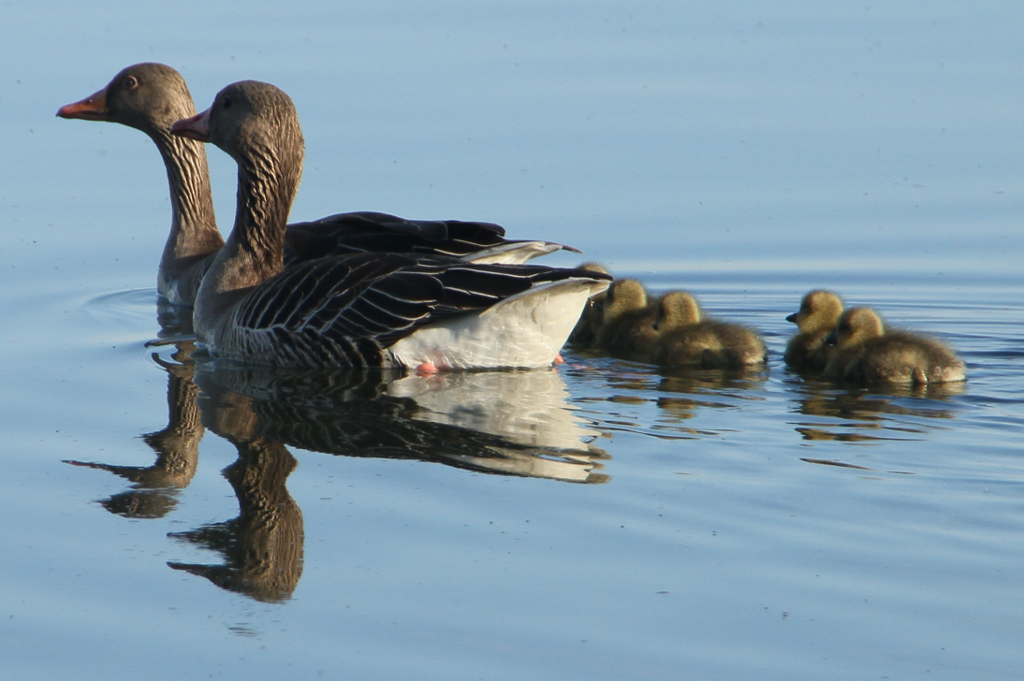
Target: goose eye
x,y
226,103
131,82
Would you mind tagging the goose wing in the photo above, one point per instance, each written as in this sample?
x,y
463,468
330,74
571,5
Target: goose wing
x,y
370,232
346,310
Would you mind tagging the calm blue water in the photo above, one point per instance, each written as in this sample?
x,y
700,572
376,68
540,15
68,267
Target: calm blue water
x,y
603,520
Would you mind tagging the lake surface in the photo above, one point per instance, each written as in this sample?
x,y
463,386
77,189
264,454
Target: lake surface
x,y
165,518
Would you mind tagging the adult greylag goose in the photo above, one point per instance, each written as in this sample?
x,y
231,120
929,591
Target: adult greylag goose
x,y
150,97
865,352
685,338
367,309
815,321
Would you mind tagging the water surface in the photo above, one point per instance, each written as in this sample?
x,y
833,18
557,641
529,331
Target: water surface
x,y
602,520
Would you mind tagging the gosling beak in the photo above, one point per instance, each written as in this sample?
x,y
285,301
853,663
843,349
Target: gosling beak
x,y
792,317
92,108
197,127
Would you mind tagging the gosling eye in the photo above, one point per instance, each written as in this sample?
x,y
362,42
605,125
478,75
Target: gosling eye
x,y
226,103
131,82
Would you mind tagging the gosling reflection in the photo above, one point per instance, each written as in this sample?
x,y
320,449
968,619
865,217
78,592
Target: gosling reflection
x,y
687,380
262,548
510,423
627,391
155,487
862,415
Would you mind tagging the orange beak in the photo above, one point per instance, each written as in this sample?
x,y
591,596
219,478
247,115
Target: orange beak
x,y
197,127
92,108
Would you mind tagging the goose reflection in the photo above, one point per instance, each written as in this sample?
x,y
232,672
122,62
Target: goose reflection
x,y
512,423
155,487
502,422
262,548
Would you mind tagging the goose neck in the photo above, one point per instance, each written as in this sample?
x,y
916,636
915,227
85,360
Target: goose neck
x,y
193,223
265,195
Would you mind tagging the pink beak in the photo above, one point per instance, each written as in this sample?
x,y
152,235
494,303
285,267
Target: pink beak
x,y
197,127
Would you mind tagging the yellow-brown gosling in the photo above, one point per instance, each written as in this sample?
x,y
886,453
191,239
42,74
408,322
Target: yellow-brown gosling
x,y
686,339
627,308
867,353
589,325
815,321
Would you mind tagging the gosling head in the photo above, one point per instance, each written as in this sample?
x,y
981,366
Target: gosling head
x,y
594,267
624,296
677,309
856,326
819,311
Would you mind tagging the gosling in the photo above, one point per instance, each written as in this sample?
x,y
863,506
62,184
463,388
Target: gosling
x,y
866,353
589,325
627,324
816,320
684,338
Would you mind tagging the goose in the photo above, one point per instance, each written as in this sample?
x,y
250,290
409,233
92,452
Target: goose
x,y
816,319
685,338
150,97
431,312
865,352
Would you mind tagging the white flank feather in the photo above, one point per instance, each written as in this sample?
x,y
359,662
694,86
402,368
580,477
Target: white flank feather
x,y
523,331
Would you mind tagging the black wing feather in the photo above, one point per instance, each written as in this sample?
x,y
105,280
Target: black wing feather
x,y
369,232
344,309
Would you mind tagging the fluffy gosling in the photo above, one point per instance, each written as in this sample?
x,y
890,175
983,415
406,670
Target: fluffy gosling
x,y
628,313
589,325
686,339
815,321
866,353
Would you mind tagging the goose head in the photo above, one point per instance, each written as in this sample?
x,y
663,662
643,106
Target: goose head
x,y
819,311
149,97
255,123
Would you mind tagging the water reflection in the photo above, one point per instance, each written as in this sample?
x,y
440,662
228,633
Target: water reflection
x,y
513,422
834,412
508,423
679,393
894,412
155,487
262,548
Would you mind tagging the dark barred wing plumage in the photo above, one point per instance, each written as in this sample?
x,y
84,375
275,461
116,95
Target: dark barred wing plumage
x,y
369,232
345,310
